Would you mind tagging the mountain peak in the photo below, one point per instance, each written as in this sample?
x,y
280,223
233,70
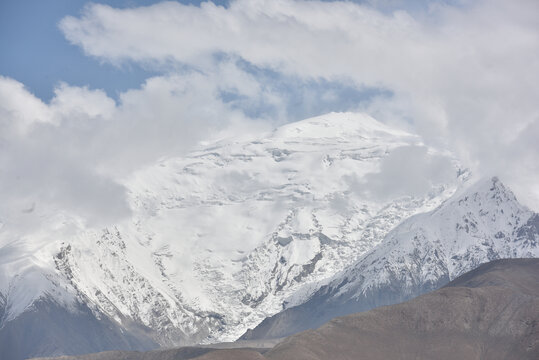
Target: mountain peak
x,y
336,125
487,195
482,223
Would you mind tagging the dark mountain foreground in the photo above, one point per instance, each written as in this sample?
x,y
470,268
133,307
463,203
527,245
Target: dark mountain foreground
x,y
489,313
182,353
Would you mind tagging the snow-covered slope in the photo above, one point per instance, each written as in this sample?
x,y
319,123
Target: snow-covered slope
x,y
223,237
481,223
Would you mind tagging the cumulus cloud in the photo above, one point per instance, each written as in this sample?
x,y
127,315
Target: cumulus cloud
x,y
71,155
18,110
43,161
461,76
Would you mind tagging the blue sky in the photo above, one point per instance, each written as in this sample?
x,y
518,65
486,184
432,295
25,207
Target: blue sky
x,y
36,53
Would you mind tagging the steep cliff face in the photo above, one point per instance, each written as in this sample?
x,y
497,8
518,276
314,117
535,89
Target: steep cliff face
x,y
483,223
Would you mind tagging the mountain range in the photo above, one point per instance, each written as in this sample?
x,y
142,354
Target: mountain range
x,y
262,236
421,254
488,313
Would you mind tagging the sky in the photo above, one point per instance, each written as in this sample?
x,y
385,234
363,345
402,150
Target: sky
x,y
29,31
92,91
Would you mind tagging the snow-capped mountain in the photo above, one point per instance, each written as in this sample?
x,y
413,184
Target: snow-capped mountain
x,y
218,239
479,224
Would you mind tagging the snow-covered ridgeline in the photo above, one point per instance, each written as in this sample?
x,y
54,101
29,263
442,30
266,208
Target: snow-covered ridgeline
x,y
483,223
478,224
223,237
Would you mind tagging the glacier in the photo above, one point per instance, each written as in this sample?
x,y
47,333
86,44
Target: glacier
x,y
225,236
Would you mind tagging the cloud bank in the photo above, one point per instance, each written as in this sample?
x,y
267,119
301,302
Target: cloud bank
x,y
73,153
462,76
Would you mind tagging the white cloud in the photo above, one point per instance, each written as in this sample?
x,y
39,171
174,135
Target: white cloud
x,y
79,102
464,75
18,109
407,170
71,154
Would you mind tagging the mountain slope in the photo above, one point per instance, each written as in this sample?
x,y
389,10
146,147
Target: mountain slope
x,y
45,327
489,313
221,238
426,251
